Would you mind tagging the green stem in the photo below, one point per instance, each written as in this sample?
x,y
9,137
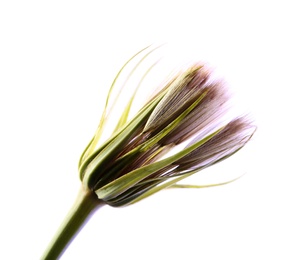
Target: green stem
x,y
84,207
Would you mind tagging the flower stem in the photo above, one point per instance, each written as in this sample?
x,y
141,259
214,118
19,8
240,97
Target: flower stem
x,y
84,207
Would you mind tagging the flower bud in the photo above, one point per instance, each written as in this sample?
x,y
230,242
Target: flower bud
x,y
135,162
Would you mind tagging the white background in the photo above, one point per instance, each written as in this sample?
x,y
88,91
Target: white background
x,y
57,59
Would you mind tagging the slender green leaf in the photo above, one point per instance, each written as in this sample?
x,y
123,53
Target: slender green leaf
x,y
191,186
172,183
164,185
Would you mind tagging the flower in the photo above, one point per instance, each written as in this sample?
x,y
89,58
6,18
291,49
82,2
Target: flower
x,y
179,131
133,164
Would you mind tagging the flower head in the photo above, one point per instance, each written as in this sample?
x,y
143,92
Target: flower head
x,y
179,131
135,161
